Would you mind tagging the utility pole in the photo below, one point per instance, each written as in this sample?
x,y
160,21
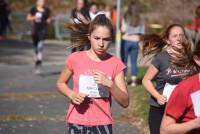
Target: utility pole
x,y
118,32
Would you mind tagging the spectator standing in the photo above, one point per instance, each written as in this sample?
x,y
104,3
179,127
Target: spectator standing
x,y
193,31
81,12
78,15
108,11
132,27
93,10
114,17
104,9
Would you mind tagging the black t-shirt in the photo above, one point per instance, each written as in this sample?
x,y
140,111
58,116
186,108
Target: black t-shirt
x,y
167,73
83,11
41,22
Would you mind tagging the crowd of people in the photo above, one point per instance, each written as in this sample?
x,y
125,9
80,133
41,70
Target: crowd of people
x,y
99,76
86,12
193,29
175,64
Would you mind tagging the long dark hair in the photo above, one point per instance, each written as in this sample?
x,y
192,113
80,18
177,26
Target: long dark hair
x,y
153,44
132,15
84,11
81,31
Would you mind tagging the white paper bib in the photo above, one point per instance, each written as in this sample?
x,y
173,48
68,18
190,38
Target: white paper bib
x,y
168,89
87,85
195,101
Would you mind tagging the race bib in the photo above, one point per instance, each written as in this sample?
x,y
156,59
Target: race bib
x,y
195,101
87,85
168,89
38,16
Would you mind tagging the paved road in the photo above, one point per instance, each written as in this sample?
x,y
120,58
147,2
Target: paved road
x,y
29,103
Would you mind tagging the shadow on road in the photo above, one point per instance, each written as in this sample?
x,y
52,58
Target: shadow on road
x,y
20,52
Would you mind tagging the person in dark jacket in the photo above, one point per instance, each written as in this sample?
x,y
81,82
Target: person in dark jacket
x,y
4,18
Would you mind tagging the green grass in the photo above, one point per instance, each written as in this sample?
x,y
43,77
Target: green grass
x,y
138,101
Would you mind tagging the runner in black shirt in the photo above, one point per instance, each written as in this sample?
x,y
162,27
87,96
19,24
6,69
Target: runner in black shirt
x,y
40,16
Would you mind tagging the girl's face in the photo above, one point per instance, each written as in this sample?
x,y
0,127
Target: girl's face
x,y
93,9
176,37
80,4
100,40
40,3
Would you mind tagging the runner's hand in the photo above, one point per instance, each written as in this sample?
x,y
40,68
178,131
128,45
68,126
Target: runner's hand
x,y
162,99
196,122
102,78
77,98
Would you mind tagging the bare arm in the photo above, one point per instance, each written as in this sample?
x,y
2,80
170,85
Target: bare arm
x,y
148,84
118,87
123,26
64,89
169,125
30,17
49,20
